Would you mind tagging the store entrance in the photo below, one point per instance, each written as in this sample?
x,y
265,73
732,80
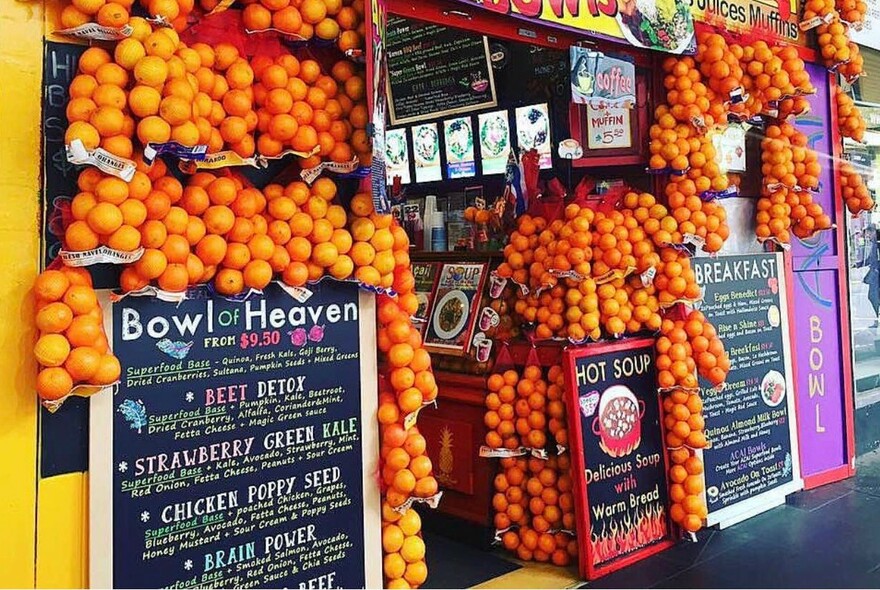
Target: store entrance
x,y
863,233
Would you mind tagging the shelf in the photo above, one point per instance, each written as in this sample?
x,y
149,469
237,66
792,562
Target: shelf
x,y
458,256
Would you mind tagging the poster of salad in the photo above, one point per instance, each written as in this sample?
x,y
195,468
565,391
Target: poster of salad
x,y
397,156
457,297
533,132
666,25
426,149
494,130
458,134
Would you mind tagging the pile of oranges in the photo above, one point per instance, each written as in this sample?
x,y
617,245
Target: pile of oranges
x,y
72,348
533,501
688,508
534,507
849,117
516,409
675,281
774,75
855,191
791,170
687,347
406,469
852,11
404,561
301,108
787,158
705,219
341,21
115,15
155,89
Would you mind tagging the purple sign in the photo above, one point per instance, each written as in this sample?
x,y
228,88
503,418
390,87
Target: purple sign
x,y
820,390
815,125
819,372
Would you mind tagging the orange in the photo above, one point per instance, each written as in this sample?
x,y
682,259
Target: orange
x,y
54,318
151,70
296,274
125,239
218,219
51,350
72,17
108,371
104,218
151,264
289,20
83,363
84,132
261,247
82,86
392,538
256,18
51,285
79,237
257,274
313,11
176,249
229,282
413,549
175,277
80,299
93,57
211,249
309,68
222,191
112,15
80,109
394,567
153,129
53,383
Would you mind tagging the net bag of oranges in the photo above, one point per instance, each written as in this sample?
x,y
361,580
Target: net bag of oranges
x,y
72,348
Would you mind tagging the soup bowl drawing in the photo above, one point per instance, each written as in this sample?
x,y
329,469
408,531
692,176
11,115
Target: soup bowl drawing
x,y
619,422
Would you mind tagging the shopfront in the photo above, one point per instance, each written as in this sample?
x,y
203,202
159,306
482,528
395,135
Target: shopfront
x,y
542,288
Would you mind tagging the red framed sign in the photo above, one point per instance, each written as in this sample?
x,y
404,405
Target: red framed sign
x,y
618,454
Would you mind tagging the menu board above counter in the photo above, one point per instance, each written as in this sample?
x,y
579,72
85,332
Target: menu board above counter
x,y
239,447
436,71
752,463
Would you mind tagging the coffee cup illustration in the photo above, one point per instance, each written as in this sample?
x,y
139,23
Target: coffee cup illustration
x,y
619,422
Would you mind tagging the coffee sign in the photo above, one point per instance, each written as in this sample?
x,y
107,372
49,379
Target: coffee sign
x,y
600,80
617,453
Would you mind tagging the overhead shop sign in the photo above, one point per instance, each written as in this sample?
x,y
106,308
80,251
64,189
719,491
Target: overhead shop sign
x,y
663,25
768,19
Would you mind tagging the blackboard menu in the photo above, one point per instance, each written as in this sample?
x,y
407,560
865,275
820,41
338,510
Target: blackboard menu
x,y
620,468
60,61
435,71
237,443
750,422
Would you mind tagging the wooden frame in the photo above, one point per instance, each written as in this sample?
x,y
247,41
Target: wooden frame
x,y
101,466
585,554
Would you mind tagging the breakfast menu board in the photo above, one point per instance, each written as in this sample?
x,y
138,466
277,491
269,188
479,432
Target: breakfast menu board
x,y
436,71
238,449
617,453
750,424
456,302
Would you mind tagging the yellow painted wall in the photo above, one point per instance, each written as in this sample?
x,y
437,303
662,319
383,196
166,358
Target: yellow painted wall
x,y
21,31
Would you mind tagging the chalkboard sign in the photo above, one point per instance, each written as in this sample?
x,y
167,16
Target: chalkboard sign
x,y
436,71
752,463
617,453
60,62
239,449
